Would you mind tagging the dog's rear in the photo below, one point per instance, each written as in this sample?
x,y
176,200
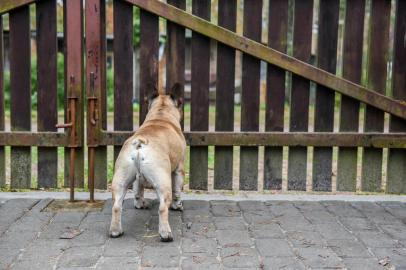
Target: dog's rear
x,y
152,157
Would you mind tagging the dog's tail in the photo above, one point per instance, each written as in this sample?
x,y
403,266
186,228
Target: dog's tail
x,y
139,141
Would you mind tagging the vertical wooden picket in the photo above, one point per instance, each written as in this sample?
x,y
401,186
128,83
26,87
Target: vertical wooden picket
x,y
251,68
324,116
149,65
299,112
47,50
371,178
100,157
2,120
223,166
349,113
397,157
275,93
200,98
175,58
123,68
20,86
74,67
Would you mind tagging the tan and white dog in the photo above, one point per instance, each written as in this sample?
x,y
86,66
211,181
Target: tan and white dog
x,y
152,158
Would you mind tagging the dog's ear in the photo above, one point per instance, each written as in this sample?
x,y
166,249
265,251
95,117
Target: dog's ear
x,y
176,94
151,95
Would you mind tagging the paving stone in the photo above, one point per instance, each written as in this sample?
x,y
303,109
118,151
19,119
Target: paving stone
x,y
330,231
233,237
122,247
373,239
249,206
198,262
207,230
358,224
276,263
342,209
71,218
274,248
283,209
208,247
80,257
310,206
161,256
362,264
198,216
7,256
305,238
43,264
319,217
122,263
230,223
396,231
316,257
239,257
225,210
269,231
396,256
348,248
259,218
196,205
294,223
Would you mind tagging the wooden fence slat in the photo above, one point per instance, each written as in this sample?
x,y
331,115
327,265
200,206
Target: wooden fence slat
x,y
349,113
47,50
74,67
2,120
251,68
324,116
123,68
100,154
149,62
275,92
175,57
20,86
200,97
223,163
371,176
397,157
299,112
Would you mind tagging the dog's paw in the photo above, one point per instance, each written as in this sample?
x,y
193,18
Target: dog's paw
x,y
116,233
140,204
177,205
166,236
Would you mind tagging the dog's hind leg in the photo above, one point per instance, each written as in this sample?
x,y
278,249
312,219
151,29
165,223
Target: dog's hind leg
x,y
138,187
177,184
124,175
165,198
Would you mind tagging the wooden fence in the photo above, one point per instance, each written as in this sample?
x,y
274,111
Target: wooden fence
x,y
349,135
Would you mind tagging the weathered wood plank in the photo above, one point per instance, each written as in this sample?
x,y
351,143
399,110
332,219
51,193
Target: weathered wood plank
x,y
250,87
47,50
396,182
123,68
269,55
223,163
324,116
299,112
371,175
100,161
149,49
74,72
349,113
275,95
8,5
200,98
2,120
175,57
20,87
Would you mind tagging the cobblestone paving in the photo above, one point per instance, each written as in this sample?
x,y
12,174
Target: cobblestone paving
x,y
208,235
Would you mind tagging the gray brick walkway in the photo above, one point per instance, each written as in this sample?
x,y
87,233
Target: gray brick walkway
x,y
209,235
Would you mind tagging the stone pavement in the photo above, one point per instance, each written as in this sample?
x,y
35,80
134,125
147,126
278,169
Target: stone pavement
x,y
208,235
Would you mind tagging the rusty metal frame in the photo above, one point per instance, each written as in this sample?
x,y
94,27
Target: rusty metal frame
x,y
284,61
349,139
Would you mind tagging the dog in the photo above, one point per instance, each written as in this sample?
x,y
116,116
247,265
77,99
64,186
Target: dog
x,y
153,158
